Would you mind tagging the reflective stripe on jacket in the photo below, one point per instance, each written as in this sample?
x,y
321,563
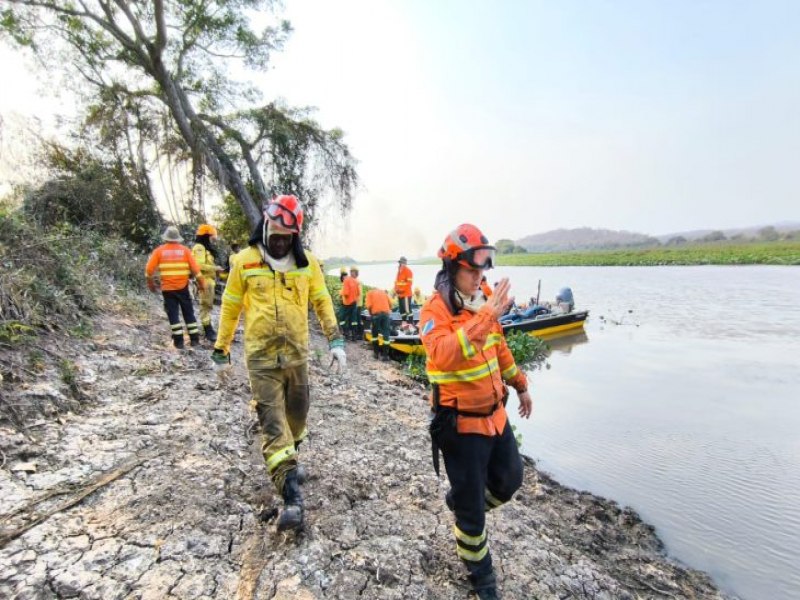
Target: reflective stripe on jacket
x,y
403,282
378,302
468,359
275,307
175,264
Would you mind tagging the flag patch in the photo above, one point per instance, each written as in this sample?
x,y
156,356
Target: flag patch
x,y
427,327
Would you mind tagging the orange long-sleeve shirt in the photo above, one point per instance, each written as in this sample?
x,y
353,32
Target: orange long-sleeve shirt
x,y
468,359
403,282
175,264
377,301
351,290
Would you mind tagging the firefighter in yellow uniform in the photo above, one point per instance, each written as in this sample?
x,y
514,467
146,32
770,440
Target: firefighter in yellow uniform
x,y
205,254
273,281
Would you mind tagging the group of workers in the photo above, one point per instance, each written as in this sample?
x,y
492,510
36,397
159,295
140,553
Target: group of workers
x,y
469,365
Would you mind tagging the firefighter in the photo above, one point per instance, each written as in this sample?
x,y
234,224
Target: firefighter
x,y
469,365
379,307
403,284
205,252
175,265
351,290
272,281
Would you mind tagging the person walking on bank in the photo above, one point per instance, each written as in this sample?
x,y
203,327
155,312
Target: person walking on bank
x,y
403,284
205,253
351,290
469,365
175,265
379,307
272,281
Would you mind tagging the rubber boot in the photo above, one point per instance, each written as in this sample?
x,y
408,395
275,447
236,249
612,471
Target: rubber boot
x,y
178,341
194,339
385,353
484,584
302,474
291,516
376,350
211,335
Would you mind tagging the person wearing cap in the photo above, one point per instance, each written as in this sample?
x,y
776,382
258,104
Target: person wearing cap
x,y
403,284
350,293
205,252
469,366
273,281
418,299
175,264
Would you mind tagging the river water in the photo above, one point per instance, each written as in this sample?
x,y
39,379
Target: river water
x,y
681,400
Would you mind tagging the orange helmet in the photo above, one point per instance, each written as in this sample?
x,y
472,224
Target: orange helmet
x,y
206,229
469,247
286,211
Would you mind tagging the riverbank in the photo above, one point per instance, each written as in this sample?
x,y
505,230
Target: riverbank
x,y
154,487
720,253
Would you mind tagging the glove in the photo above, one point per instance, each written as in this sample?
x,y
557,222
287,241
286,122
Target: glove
x,y
338,355
151,285
221,359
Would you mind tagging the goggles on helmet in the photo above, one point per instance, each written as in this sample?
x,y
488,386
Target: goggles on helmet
x,y
283,216
478,258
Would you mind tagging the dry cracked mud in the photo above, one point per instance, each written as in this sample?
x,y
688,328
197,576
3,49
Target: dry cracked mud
x,y
154,487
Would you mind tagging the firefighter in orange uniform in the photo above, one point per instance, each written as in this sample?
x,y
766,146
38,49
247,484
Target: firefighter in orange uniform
x,y
486,289
403,284
379,307
350,292
175,265
469,365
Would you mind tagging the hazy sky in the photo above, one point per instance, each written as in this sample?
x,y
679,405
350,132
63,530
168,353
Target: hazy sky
x,y
525,116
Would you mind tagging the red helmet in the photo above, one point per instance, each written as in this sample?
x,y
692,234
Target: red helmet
x,y
286,211
467,245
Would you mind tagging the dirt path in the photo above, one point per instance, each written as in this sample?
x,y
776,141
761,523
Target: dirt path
x,y
156,489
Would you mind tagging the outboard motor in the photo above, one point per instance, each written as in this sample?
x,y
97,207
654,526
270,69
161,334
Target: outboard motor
x,y
565,299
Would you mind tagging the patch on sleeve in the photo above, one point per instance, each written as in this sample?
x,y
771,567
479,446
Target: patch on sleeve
x,y
427,327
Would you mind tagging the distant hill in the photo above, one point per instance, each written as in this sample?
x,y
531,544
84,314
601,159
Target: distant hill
x,y
750,232
584,238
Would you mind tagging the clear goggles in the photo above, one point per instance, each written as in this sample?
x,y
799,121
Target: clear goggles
x,y
478,258
283,216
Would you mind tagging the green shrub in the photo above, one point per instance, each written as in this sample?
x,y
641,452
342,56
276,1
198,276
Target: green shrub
x,y
414,367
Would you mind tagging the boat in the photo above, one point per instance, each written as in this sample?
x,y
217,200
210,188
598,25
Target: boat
x,y
544,325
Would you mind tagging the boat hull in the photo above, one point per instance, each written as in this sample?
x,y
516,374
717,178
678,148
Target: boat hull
x,y
545,327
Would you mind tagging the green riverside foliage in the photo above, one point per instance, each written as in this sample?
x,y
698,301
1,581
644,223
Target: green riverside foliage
x,y
723,253
414,367
526,349
53,278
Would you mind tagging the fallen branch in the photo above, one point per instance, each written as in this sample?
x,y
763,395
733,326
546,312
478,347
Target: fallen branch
x,y
82,492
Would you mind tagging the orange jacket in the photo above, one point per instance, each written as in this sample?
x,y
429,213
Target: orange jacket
x,y
351,290
403,282
378,302
175,265
486,289
468,359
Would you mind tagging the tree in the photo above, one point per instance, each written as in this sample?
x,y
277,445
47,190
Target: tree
x,y
179,55
714,236
677,240
233,225
768,234
504,246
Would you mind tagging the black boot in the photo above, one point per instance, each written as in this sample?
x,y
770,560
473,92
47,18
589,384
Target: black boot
x,y
302,474
211,335
376,350
194,339
178,341
385,353
291,516
484,584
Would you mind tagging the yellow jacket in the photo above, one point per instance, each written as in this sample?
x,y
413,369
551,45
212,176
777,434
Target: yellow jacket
x,y
205,260
275,309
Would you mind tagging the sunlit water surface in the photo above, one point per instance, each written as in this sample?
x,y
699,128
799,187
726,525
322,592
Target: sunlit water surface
x,y
683,402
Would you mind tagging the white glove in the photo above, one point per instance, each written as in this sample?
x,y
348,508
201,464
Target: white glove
x,y
338,355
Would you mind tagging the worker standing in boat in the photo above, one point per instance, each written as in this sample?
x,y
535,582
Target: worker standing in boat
x,y
469,365
403,284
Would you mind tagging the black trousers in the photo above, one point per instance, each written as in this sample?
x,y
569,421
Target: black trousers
x,y
404,307
175,303
381,326
484,473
